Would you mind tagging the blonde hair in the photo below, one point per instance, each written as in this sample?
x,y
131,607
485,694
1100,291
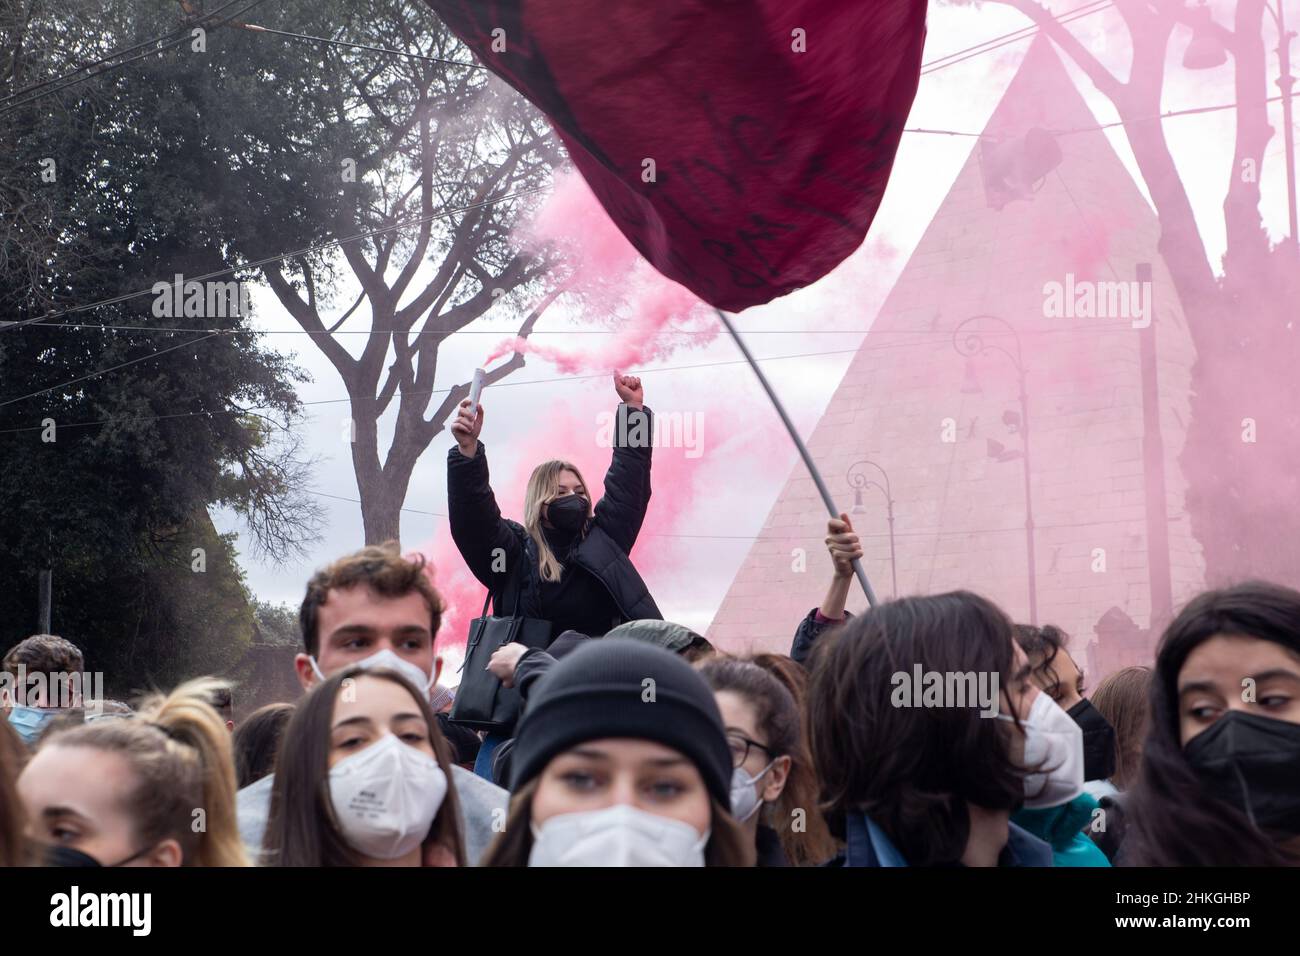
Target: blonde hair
x,y
542,486
179,750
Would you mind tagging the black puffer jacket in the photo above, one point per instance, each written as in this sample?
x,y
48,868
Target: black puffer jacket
x,y
479,530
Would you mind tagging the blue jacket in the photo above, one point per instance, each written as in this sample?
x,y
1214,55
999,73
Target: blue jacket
x,y
867,845
1062,827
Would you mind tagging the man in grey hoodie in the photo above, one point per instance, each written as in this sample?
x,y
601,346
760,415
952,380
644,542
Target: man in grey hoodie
x,y
375,608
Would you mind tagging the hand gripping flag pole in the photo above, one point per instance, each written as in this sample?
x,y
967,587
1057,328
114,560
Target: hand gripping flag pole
x,y
798,443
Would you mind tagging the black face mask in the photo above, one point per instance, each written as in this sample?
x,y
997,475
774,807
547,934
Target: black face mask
x,y
567,513
1098,741
1252,763
56,854
59,855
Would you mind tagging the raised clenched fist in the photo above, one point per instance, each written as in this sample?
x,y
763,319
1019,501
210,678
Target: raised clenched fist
x,y
629,389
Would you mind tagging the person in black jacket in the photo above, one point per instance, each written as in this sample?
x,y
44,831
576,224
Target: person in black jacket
x,y
567,562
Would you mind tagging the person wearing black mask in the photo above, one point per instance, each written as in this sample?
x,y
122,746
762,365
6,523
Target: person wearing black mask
x,y
567,563
1056,674
1220,778
124,792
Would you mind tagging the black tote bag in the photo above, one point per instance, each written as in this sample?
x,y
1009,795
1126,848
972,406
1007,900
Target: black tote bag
x,y
481,702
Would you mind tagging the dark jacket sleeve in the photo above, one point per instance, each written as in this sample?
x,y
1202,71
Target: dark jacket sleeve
x,y
531,666
805,636
476,523
627,483
464,742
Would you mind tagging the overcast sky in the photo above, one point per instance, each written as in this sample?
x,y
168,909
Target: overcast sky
x,y
745,458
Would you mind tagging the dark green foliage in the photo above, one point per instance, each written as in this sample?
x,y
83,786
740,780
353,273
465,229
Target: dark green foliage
x,y
117,508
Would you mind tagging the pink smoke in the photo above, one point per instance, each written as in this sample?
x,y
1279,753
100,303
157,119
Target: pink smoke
x,y
649,316
565,436
577,432
683,533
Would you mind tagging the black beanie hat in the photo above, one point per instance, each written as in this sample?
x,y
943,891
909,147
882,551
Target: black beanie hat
x,y
599,690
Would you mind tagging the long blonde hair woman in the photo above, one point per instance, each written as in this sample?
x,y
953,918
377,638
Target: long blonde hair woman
x,y
568,562
155,789
548,483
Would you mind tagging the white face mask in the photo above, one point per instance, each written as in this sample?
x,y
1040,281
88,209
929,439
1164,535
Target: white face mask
x,y
616,836
385,797
1054,742
744,793
387,658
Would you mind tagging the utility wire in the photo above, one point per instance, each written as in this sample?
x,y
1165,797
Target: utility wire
x,y
105,371
245,266
337,401
1088,330
114,54
361,46
14,107
211,334
810,535
1024,33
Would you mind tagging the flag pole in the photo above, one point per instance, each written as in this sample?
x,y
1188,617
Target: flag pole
x,y
798,443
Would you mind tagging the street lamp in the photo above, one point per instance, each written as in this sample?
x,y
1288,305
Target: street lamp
x,y
969,341
1207,49
858,481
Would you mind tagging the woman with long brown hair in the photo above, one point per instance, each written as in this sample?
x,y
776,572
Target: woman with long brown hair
x,y
1123,698
774,790
363,779
621,760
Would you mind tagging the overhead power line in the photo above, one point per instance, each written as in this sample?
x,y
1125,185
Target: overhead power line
x,y
1083,330
115,54
13,107
257,264
361,46
988,46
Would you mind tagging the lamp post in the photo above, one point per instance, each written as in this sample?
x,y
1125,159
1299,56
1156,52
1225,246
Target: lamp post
x,y
969,341
857,481
1207,50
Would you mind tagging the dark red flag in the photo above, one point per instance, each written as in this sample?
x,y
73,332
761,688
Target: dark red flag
x,y
742,146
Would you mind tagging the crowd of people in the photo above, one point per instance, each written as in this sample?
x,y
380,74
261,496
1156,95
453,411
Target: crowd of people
x,y
638,743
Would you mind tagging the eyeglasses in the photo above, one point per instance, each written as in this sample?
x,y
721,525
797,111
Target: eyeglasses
x,y
739,746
